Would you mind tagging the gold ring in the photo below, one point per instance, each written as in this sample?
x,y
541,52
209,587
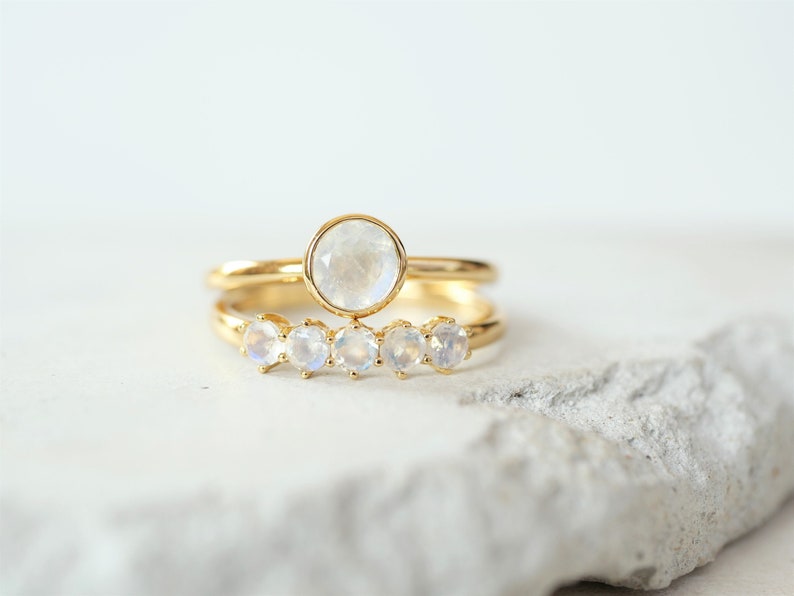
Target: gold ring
x,y
355,266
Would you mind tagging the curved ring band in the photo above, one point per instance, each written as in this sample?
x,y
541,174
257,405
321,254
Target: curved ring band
x,y
355,266
234,310
238,274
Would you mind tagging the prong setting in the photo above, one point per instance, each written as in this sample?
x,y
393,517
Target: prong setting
x,y
398,346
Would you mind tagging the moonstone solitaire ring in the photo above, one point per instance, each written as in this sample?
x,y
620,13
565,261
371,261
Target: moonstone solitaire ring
x,y
354,267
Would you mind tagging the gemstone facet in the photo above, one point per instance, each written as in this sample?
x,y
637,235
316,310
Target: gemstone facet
x,y
448,345
307,349
355,349
403,348
261,342
355,265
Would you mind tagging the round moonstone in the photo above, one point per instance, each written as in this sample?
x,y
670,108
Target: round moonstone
x,y
355,349
403,348
262,343
355,265
449,345
307,349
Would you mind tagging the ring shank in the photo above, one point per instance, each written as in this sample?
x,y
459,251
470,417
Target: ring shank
x,y
236,306
239,274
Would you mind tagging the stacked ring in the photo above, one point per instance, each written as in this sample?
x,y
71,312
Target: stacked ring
x,y
354,267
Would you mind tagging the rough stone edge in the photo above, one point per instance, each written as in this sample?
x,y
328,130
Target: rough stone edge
x,y
464,525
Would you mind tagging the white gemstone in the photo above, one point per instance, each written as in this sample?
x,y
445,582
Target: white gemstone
x,y
403,348
449,345
262,343
355,349
307,349
355,265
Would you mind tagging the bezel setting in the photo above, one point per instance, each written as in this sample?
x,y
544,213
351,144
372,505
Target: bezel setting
x,y
310,267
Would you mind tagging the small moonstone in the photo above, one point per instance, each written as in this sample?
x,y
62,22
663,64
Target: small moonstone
x,y
355,265
403,348
262,343
449,345
307,349
355,349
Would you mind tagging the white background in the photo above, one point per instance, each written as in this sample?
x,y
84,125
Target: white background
x,y
671,114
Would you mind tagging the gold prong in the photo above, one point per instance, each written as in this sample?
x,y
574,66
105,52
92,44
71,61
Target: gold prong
x,y
401,374
379,339
353,374
427,360
262,368
305,374
329,362
394,325
241,327
468,355
306,322
329,339
243,351
450,321
354,324
282,357
428,336
378,361
261,317
282,336
468,331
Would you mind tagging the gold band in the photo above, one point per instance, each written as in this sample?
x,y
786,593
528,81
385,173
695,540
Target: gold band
x,y
354,267
236,307
238,274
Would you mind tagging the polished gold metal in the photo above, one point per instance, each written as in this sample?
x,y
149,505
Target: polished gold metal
x,y
435,284
484,323
238,274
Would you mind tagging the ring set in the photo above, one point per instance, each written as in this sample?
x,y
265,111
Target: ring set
x,y
354,267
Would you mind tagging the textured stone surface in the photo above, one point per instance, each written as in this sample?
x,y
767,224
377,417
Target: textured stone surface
x,y
628,446
634,473
758,563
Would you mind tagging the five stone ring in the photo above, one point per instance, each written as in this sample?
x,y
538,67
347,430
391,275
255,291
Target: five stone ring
x,y
355,266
